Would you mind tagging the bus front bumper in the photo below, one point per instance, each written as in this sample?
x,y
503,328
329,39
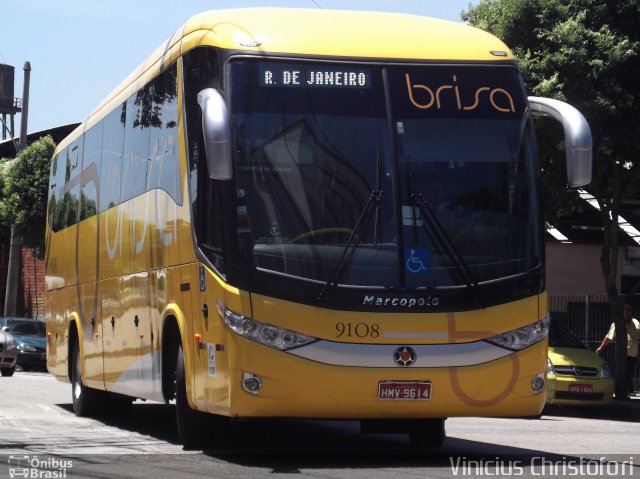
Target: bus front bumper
x,y
287,385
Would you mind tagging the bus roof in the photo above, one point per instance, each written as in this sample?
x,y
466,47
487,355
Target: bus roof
x,y
315,32
345,33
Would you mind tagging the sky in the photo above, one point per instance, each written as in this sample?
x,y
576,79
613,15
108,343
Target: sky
x,y
80,50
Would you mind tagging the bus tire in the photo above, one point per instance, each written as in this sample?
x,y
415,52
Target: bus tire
x,y
186,418
87,401
428,433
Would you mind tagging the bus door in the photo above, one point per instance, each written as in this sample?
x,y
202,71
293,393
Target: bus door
x,y
210,357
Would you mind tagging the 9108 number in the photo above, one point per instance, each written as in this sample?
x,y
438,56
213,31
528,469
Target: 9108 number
x,y
358,330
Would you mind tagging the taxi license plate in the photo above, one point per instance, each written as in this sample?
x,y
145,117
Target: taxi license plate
x,y
404,390
581,388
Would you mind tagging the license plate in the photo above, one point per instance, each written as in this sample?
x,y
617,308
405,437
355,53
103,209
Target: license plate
x,y
581,388
404,390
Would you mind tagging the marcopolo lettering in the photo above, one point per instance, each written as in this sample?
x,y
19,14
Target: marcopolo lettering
x,y
426,97
400,302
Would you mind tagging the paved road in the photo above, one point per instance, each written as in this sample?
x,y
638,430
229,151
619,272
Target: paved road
x,y
37,424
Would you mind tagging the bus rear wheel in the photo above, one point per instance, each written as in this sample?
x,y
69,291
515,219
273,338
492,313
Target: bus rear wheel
x,y
428,433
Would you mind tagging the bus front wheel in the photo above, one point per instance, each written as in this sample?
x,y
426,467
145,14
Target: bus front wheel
x,y
186,418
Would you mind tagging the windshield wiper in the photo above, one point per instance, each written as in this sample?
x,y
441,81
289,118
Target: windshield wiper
x,y
376,228
349,248
441,237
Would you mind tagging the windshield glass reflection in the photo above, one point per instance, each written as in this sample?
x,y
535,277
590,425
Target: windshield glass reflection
x,y
312,143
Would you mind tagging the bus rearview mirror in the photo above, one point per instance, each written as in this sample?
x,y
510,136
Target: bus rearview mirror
x,y
217,136
577,136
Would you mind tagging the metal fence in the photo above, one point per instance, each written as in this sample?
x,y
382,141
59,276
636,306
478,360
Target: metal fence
x,y
589,317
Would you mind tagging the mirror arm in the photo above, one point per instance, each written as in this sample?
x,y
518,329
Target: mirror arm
x,y
577,134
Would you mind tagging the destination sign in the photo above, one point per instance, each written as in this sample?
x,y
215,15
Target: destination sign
x,y
313,76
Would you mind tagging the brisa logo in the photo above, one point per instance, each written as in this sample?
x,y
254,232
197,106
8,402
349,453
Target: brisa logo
x,y
425,96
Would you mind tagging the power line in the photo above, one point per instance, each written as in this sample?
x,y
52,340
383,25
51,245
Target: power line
x,y
316,4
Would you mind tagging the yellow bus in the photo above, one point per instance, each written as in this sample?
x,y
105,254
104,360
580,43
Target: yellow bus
x,y
309,214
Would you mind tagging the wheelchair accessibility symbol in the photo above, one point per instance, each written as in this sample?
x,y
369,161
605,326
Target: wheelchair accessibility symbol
x,y
417,260
203,281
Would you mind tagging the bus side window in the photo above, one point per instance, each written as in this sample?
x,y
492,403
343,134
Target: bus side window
x,y
66,188
72,183
52,203
164,167
111,167
139,119
91,172
202,70
59,210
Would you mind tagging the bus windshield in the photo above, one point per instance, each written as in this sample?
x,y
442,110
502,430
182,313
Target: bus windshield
x,y
396,177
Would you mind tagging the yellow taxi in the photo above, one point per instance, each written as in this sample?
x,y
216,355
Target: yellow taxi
x,y
576,375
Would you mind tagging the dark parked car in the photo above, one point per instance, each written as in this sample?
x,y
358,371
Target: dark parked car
x,y
30,338
8,353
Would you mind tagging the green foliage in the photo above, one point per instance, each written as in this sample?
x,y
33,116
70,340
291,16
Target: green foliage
x,y
586,52
5,226
23,199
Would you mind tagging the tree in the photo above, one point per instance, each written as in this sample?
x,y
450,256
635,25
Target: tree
x,y
5,227
25,185
586,52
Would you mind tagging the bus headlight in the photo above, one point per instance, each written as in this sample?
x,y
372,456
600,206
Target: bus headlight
x,y
524,337
605,372
263,333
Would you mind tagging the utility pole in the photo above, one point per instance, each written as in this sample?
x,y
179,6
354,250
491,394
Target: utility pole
x,y
25,106
13,269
